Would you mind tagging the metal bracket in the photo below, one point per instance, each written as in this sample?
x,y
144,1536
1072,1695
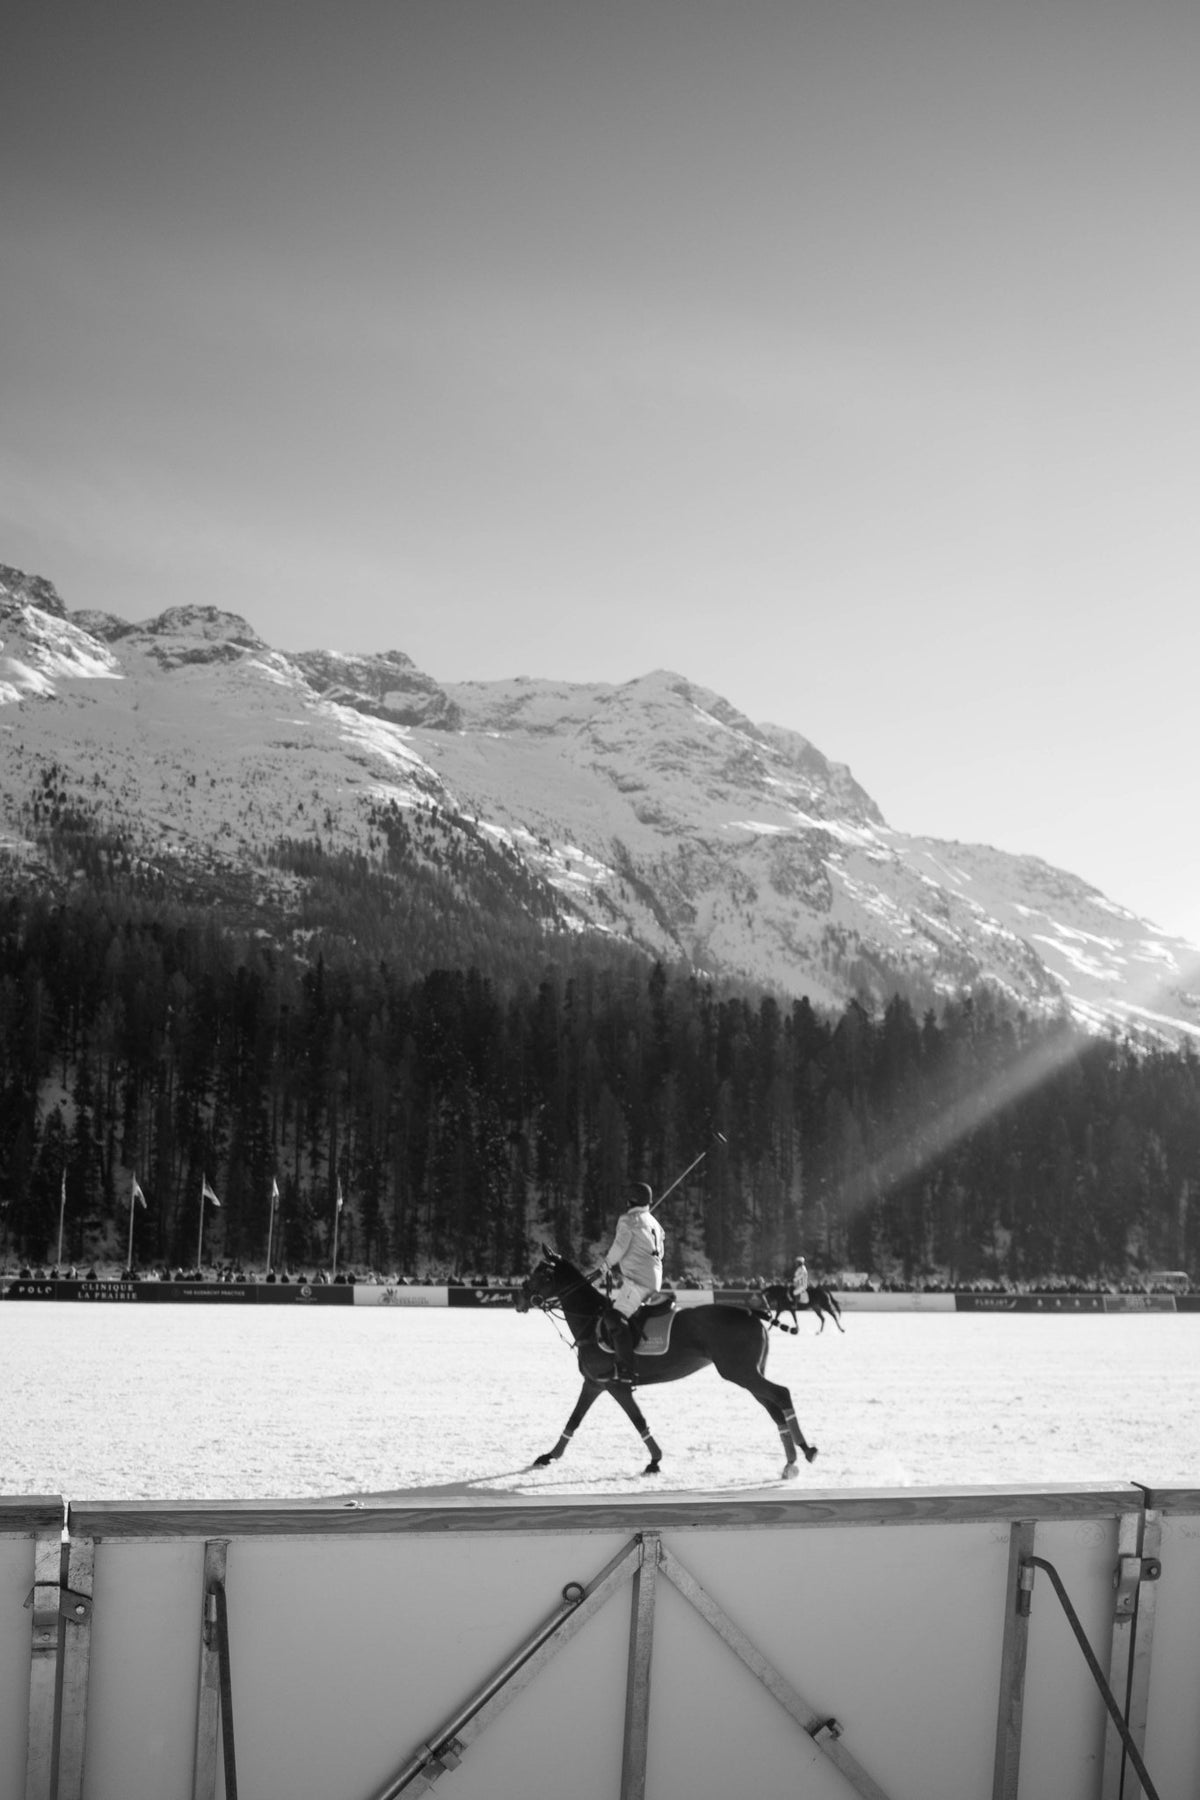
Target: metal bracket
x,y
1128,1575
209,1632
75,1607
827,1732
447,1756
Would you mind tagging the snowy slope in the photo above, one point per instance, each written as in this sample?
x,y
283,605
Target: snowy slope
x,y
652,808
202,743
741,847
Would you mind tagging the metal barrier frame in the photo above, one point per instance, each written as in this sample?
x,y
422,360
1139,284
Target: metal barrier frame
x,y
60,1570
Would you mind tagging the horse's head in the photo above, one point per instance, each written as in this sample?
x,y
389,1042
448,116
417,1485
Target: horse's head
x,y
543,1283
557,1282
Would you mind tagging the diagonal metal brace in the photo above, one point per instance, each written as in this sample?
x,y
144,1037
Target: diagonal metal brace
x,y
825,1732
445,1749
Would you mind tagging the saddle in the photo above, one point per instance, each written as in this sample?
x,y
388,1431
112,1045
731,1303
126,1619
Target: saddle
x,y
650,1326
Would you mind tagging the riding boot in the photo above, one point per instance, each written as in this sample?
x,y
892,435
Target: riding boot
x,y
621,1333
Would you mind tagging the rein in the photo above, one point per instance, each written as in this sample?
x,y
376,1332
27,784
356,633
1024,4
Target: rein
x,y
549,1312
550,1304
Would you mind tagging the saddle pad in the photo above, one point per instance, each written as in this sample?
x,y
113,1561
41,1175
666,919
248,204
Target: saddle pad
x,y
656,1334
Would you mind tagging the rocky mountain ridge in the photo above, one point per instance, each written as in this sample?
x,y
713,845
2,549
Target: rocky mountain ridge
x,y
651,810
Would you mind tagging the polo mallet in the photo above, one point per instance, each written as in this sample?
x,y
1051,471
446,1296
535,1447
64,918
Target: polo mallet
x,y
718,1138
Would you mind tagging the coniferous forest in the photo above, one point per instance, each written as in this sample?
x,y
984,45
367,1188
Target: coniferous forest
x,y
467,1111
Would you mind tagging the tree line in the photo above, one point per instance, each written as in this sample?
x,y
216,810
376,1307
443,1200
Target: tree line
x,y
464,1112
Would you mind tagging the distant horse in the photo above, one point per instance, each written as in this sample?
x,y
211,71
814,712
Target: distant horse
x,y
781,1298
733,1340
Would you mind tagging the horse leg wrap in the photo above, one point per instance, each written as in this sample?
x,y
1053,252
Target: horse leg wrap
x,y
798,1435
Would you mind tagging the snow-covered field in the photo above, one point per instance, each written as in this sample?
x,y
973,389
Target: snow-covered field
x,y
185,1403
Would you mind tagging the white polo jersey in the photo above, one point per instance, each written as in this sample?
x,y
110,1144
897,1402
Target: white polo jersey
x,y
638,1247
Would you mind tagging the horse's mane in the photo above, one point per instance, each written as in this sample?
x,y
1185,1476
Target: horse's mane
x,y
576,1285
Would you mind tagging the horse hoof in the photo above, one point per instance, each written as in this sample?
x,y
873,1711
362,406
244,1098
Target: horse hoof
x,y
651,1468
541,1462
791,1472
810,1455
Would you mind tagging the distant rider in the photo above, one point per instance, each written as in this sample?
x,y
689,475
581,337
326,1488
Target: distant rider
x,y
800,1283
638,1247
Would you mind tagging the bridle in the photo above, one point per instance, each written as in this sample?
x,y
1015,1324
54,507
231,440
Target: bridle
x,y
551,1304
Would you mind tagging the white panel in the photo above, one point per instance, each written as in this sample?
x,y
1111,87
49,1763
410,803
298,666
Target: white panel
x,y
368,1294
714,1729
1064,1720
855,1300
894,1631
388,1637
142,1698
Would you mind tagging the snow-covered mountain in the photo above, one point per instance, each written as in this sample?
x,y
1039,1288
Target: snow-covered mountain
x,y
652,810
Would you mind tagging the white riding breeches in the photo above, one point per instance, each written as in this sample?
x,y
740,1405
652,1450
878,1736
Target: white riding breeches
x,y
628,1297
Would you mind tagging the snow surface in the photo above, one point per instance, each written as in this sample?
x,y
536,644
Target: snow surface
x,y
179,1402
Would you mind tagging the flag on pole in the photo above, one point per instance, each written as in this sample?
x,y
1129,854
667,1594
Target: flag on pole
x,y
137,1194
206,1192
341,1202
274,1193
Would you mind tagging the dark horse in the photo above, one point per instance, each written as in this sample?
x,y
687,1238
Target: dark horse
x,y
781,1298
732,1339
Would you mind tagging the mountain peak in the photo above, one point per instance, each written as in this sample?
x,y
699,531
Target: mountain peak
x,y
31,590
385,685
185,635
210,623
40,647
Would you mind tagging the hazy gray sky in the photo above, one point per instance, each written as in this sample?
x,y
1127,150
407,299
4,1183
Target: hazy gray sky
x,y
839,355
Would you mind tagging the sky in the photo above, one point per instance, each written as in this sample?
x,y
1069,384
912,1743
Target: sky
x,y
840,355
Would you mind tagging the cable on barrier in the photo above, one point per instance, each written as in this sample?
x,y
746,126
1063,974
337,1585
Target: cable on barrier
x,y
1029,1563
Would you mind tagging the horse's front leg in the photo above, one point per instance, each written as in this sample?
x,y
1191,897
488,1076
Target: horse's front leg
x,y
589,1392
625,1400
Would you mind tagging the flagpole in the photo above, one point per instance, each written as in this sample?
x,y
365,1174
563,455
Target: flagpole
x,y
132,1203
337,1211
271,1220
200,1238
62,1207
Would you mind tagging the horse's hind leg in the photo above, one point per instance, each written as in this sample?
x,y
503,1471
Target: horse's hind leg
x,y
589,1393
778,1402
625,1400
